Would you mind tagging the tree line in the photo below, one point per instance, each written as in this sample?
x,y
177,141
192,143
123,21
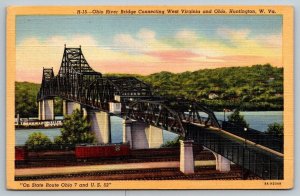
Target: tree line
x,y
255,88
26,100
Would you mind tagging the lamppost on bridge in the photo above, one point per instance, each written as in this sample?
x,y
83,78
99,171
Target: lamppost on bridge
x,y
245,145
188,123
225,110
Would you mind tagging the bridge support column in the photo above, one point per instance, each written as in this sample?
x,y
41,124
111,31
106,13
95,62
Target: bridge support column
x,y
222,164
65,108
84,112
141,136
138,135
154,136
186,157
127,126
69,107
41,111
46,109
100,125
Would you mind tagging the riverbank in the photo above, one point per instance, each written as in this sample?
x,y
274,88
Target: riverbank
x,y
22,127
256,120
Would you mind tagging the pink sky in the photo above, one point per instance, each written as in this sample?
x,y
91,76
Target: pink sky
x,y
145,54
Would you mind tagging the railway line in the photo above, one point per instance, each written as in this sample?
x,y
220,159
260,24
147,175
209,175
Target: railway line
x,y
203,173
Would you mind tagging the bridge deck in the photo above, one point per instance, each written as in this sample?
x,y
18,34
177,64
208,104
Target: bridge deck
x,y
264,162
242,141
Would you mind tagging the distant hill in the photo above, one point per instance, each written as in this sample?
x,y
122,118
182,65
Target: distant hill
x,y
255,88
259,87
25,101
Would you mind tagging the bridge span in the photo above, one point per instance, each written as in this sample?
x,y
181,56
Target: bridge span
x,y
146,115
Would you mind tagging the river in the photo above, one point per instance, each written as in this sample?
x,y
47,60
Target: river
x,y
256,120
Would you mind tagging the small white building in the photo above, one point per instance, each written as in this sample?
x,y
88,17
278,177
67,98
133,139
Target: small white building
x,y
212,96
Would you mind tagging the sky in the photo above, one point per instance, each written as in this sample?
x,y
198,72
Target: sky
x,y
147,44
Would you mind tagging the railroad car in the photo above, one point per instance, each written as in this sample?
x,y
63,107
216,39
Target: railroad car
x,y
102,151
20,153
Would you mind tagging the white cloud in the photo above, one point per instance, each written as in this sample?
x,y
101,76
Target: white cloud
x,y
186,34
146,34
32,54
143,41
233,34
126,41
271,41
76,40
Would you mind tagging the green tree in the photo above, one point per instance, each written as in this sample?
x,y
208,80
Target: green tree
x,y
25,99
275,129
58,103
26,103
38,141
75,130
58,140
173,143
237,119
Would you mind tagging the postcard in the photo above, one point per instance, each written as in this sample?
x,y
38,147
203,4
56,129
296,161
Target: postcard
x,y
149,97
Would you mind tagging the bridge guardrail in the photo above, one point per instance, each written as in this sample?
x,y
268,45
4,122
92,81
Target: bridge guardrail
x,y
270,141
264,164
267,140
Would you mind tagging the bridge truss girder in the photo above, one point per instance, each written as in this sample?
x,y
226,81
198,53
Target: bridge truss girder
x,y
156,114
77,81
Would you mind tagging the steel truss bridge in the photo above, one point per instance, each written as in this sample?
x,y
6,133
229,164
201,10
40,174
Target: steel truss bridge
x,y
76,81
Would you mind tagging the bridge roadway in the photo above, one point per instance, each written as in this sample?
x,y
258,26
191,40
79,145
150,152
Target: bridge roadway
x,y
260,160
76,82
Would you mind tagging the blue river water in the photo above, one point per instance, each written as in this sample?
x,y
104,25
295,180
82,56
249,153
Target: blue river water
x,y
256,120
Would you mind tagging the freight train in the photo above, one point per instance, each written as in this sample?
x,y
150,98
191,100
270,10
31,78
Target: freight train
x,y
85,151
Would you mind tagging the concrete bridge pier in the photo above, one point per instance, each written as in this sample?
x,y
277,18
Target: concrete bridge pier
x,y
40,103
127,126
187,163
141,136
84,112
69,107
138,135
100,125
46,109
154,136
222,164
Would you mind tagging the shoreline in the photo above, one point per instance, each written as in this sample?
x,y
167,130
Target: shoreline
x,y
21,128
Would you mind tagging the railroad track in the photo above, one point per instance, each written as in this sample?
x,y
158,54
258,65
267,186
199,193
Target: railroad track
x,y
84,162
203,173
